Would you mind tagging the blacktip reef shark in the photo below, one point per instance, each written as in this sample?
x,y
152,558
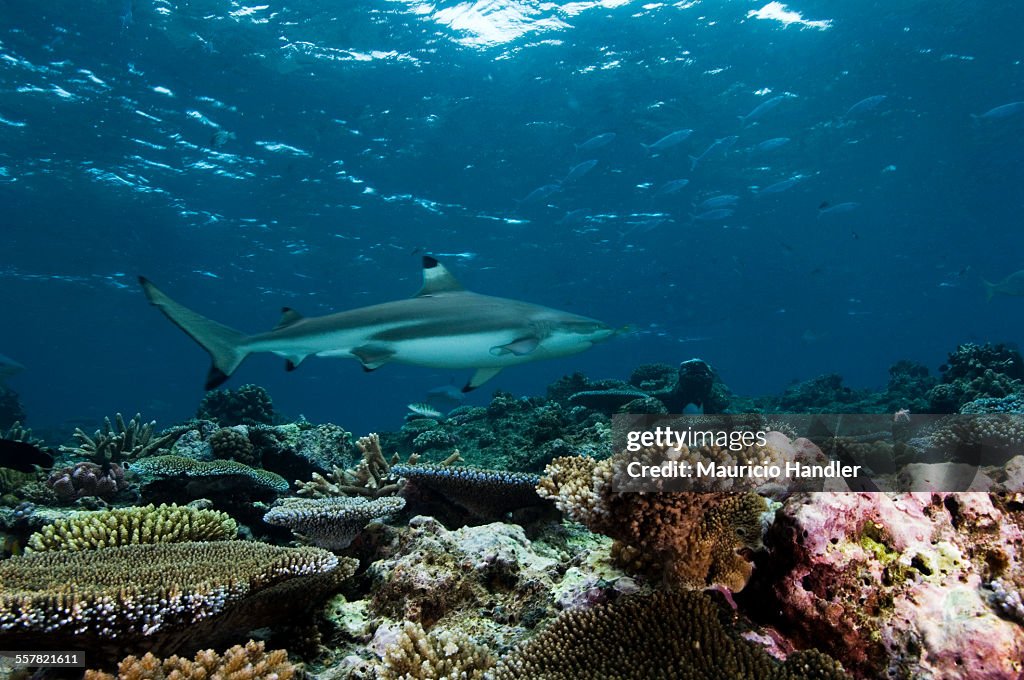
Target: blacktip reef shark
x,y
442,326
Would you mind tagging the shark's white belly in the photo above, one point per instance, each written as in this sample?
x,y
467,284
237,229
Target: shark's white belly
x,y
458,351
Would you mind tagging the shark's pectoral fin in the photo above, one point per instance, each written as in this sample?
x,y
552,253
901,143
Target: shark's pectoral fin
x,y
481,376
291,363
519,347
373,357
288,317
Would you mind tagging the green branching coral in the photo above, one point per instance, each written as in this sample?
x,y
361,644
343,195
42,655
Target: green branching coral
x,y
415,655
167,596
181,466
20,434
120,441
129,526
667,635
331,523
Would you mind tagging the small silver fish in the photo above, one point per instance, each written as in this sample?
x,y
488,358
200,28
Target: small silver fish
x,y
596,142
714,215
720,201
773,143
865,105
718,146
671,187
779,187
1004,111
827,209
578,170
540,193
1012,285
668,141
764,107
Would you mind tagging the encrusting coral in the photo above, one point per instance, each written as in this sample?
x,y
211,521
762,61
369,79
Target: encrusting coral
x,y
415,655
165,597
331,523
137,525
667,635
250,662
695,537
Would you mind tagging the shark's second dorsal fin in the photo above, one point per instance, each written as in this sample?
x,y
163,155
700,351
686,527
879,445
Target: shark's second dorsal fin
x,y
437,279
288,317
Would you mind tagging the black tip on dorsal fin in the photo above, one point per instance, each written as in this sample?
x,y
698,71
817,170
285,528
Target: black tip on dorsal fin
x,y
437,279
288,317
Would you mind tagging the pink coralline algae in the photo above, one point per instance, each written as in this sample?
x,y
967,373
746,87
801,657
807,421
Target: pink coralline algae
x,y
920,585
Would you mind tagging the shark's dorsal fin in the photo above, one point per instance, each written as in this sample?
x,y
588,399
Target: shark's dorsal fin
x,y
437,279
288,317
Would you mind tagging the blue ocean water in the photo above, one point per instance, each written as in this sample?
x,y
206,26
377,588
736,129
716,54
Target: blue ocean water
x,y
247,157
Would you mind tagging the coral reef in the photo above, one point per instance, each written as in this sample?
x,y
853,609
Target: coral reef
x,y
165,596
250,662
246,405
693,537
983,439
135,525
899,585
415,655
667,635
975,372
483,493
331,522
18,433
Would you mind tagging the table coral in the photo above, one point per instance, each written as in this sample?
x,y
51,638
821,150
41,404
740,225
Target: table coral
x,y
126,526
667,635
901,585
333,522
160,597
484,493
182,467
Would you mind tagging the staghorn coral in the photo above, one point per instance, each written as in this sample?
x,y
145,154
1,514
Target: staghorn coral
x,y
167,596
250,662
247,405
415,655
211,470
333,522
372,477
16,432
127,526
695,536
484,493
120,441
667,635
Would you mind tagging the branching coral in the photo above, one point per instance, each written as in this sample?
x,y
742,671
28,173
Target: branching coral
x,y
696,536
168,595
372,477
667,635
120,441
20,434
484,493
250,662
415,655
331,523
127,526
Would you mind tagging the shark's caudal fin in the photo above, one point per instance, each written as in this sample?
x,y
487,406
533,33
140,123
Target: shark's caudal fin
x,y
225,345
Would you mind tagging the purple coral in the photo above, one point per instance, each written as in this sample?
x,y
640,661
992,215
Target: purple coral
x,y
86,479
